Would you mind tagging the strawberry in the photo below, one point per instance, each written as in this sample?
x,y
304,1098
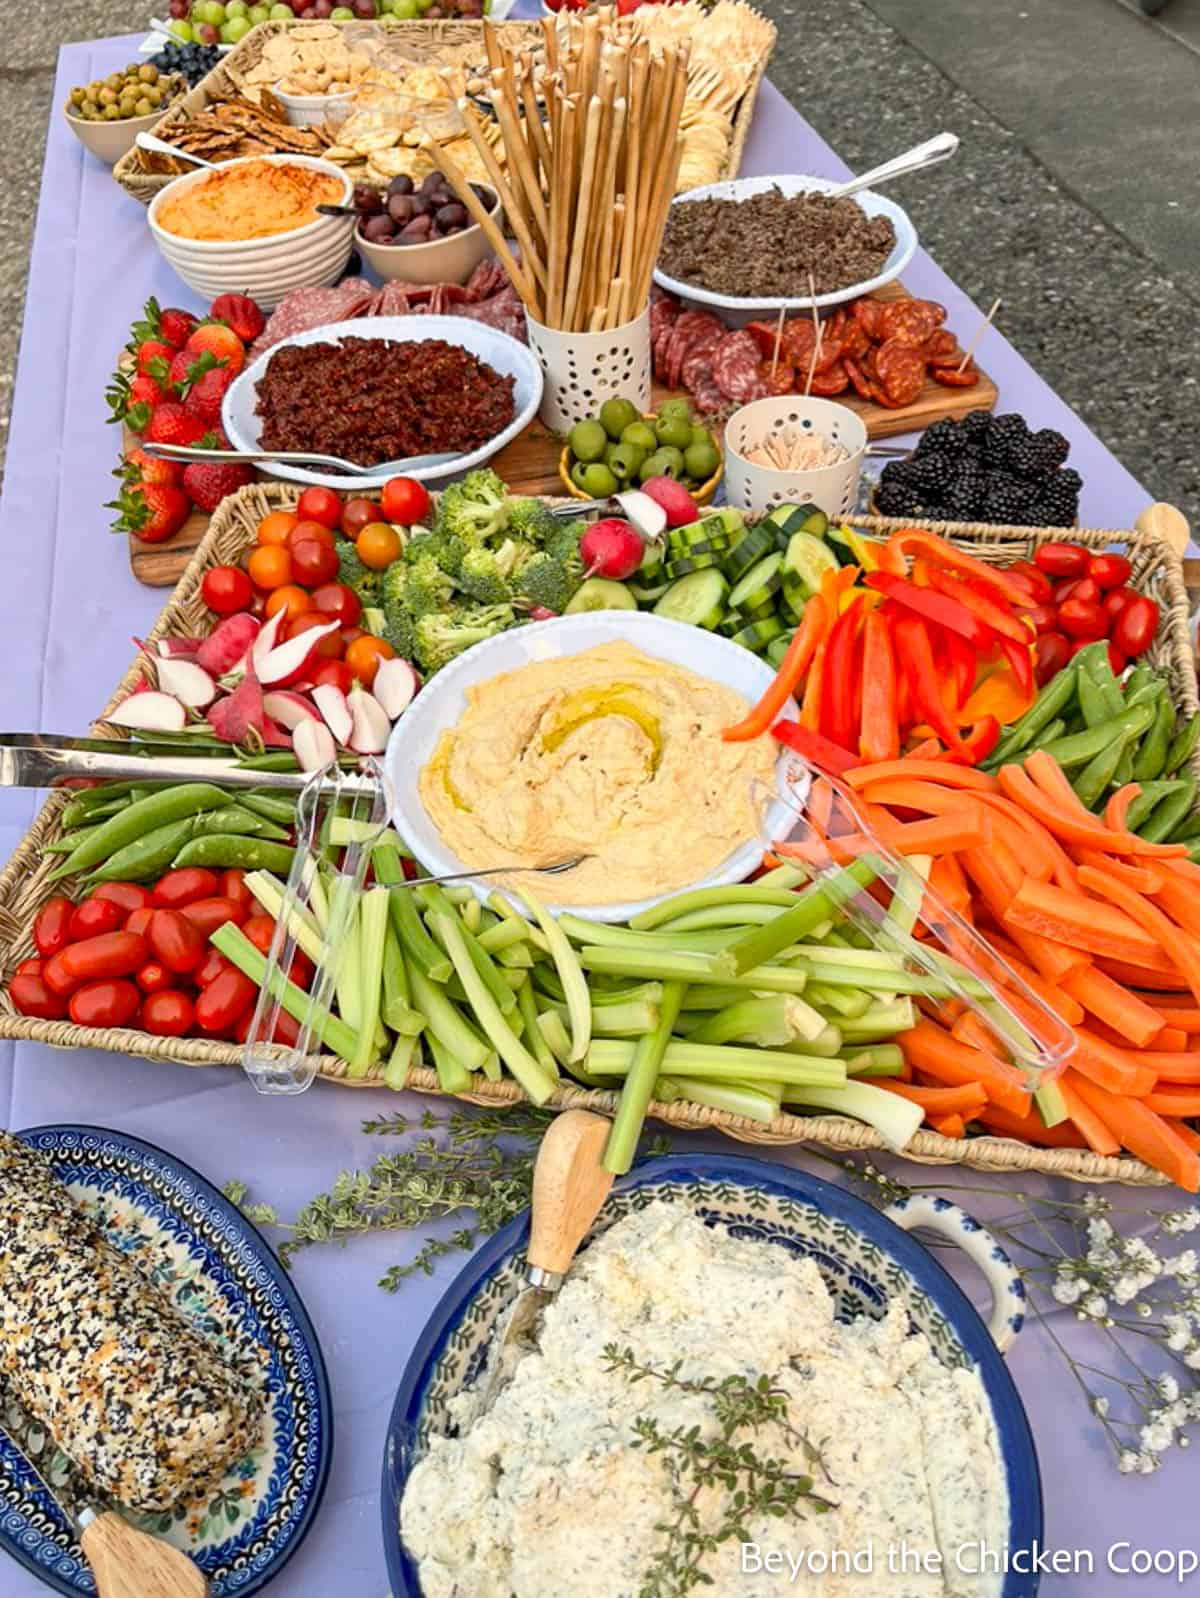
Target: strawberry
x,y
150,511
221,342
208,482
131,399
170,424
176,326
188,366
153,357
138,467
241,313
205,394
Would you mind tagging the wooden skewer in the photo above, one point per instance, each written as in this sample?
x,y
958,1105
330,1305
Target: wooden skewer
x,y
778,339
525,285
818,331
979,332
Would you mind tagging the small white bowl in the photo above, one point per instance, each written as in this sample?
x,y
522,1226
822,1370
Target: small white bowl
x,y
441,703
449,260
266,268
833,489
310,110
109,141
737,310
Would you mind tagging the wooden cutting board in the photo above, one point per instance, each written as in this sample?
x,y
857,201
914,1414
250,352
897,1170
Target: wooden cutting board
x,y
529,465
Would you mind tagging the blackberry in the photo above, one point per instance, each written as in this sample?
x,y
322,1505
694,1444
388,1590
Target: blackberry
x,y
941,438
932,471
966,496
896,499
1007,498
1048,450
975,425
1005,436
1068,480
1057,503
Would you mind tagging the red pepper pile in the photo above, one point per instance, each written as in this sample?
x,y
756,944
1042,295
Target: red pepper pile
x,y
132,956
1077,597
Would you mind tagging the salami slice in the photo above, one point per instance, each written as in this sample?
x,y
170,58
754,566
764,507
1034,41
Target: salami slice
x,y
781,380
941,345
858,378
834,380
735,367
901,371
866,312
687,326
706,396
697,363
907,322
798,340
763,334
855,341
951,377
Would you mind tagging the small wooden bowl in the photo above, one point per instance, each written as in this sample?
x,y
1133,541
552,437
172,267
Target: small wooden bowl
x,y
702,495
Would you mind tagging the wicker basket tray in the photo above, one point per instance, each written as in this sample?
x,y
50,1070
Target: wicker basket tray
x,y
24,886
425,37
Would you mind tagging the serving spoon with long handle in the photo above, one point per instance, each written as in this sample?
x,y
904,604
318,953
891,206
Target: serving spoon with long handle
x,y
291,457
940,148
147,141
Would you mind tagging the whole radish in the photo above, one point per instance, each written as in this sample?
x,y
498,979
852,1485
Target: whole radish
x,y
611,548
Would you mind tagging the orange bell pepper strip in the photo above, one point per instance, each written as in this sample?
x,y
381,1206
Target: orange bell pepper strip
x,y
814,693
916,542
809,636
879,735
997,695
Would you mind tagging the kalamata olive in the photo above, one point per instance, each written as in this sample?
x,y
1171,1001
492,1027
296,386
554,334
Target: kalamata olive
x,y
379,229
400,208
484,195
422,205
431,184
402,184
367,201
417,231
451,216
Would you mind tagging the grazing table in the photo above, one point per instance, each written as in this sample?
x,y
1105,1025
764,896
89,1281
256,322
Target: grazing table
x,y
69,606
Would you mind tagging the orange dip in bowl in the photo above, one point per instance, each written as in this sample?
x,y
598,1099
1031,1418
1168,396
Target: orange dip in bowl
x,y
250,200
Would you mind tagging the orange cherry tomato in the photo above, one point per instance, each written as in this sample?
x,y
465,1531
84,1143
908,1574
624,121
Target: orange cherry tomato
x,y
291,599
275,527
378,545
270,566
364,655
329,647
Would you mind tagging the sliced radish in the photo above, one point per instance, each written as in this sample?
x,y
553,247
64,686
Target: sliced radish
x,y
395,684
369,734
646,514
151,711
288,662
188,682
226,645
181,648
273,736
331,702
264,642
314,745
289,709
239,713
675,500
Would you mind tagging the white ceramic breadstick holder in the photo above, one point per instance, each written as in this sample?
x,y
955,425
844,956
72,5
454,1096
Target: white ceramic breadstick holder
x,y
582,370
752,487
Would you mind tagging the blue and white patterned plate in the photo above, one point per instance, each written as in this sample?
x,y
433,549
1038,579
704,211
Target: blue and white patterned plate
x,y
865,1258
221,1274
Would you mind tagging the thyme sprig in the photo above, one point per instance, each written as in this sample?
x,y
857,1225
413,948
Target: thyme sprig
x,y
748,1484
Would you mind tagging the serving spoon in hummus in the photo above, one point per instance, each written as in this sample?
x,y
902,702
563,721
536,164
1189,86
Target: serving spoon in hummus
x,y
555,869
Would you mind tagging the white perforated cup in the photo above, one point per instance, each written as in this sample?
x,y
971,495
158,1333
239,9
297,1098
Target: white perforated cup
x,y
582,370
834,489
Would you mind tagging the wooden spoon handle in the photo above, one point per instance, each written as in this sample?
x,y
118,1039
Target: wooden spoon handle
x,y
1167,523
128,1563
569,1186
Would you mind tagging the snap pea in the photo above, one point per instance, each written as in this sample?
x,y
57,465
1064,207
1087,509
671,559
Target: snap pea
x,y
84,807
1138,678
135,820
272,760
276,807
1056,729
1099,692
1124,771
1193,850
237,819
1167,815
226,852
1144,802
1183,745
1187,830
1145,693
1049,704
1080,747
1152,752
147,856
68,841
1098,773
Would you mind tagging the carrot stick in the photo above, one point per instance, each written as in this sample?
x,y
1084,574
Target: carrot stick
x,y
928,1048
806,640
1178,1101
1096,1134
948,1125
1171,1040
1031,1129
1113,1004
970,1030
1053,960
946,878
930,770
1156,972
966,1100
1178,945
1117,807
1170,1067
1145,1134
810,709
1113,1068
1054,998
935,836
1044,855
1177,898
1066,826
1188,1133
1076,921
1142,879
1185,1017
1049,776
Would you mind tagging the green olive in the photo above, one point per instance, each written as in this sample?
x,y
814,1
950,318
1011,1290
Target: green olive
x,y
586,441
674,431
148,73
700,461
616,415
678,408
623,460
143,108
112,113
107,96
598,480
641,434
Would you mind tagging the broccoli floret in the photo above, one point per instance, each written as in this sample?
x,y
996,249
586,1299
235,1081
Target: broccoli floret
x,y
400,630
441,638
563,542
394,584
481,579
355,573
512,555
474,508
546,581
426,588
529,519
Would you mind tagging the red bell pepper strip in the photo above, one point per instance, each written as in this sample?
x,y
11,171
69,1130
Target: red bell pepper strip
x,y
815,749
811,633
934,607
838,719
962,661
879,734
914,658
979,742
914,541
998,617
1020,663
890,557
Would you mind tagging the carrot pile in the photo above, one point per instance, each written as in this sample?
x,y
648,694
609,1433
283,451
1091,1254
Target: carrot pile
x,y
1102,925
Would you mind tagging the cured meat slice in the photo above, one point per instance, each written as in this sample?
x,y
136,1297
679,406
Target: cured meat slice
x,y
698,360
735,366
951,377
834,380
706,396
688,325
764,333
777,378
313,307
908,321
858,378
866,313
901,371
855,340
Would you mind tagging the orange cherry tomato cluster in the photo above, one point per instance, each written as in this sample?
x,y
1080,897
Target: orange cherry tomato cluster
x,y
293,568
133,956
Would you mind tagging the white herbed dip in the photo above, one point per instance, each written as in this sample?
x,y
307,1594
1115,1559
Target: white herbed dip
x,y
546,1495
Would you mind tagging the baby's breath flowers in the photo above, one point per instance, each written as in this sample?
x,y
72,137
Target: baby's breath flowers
x,y
1136,1291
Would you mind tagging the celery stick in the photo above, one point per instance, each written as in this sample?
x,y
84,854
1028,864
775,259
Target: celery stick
x,y
491,1067
827,1043
894,1118
617,937
269,892
344,831
472,915
721,915
372,935
880,1021
503,935
850,959
443,1021
737,1098
1052,1107
885,1059
781,876
702,898
767,1022
699,968
440,905
318,898
517,957
570,973
873,981
814,904
420,951
614,1057
453,1076
385,859
538,1084
627,1020
405,1057
842,1001
554,1034
907,894
514,978
646,1058
712,996
532,1035
332,1031
396,997
509,912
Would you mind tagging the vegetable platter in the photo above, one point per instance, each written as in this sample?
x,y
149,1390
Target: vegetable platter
x,y
26,886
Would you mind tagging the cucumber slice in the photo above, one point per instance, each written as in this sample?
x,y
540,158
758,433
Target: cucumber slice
x,y
685,565
785,520
778,648
647,593
759,541
816,522
761,612
600,593
732,521
758,634
793,599
698,599
699,546
807,560
840,541
707,530
758,585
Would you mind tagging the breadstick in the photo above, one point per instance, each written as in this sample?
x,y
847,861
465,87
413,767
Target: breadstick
x,y
524,283
582,213
514,211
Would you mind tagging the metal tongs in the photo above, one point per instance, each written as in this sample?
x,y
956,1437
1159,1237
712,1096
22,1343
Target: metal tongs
x,y
317,915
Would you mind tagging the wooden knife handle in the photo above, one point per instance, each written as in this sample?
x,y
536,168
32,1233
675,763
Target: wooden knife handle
x,y
128,1563
569,1186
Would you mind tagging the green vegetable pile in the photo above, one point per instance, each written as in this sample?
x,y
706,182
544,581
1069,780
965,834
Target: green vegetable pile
x,y
1106,733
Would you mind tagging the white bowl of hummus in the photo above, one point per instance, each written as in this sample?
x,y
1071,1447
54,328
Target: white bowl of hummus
x,y
596,735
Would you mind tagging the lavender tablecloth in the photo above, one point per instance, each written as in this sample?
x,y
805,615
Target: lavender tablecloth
x,y
68,605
